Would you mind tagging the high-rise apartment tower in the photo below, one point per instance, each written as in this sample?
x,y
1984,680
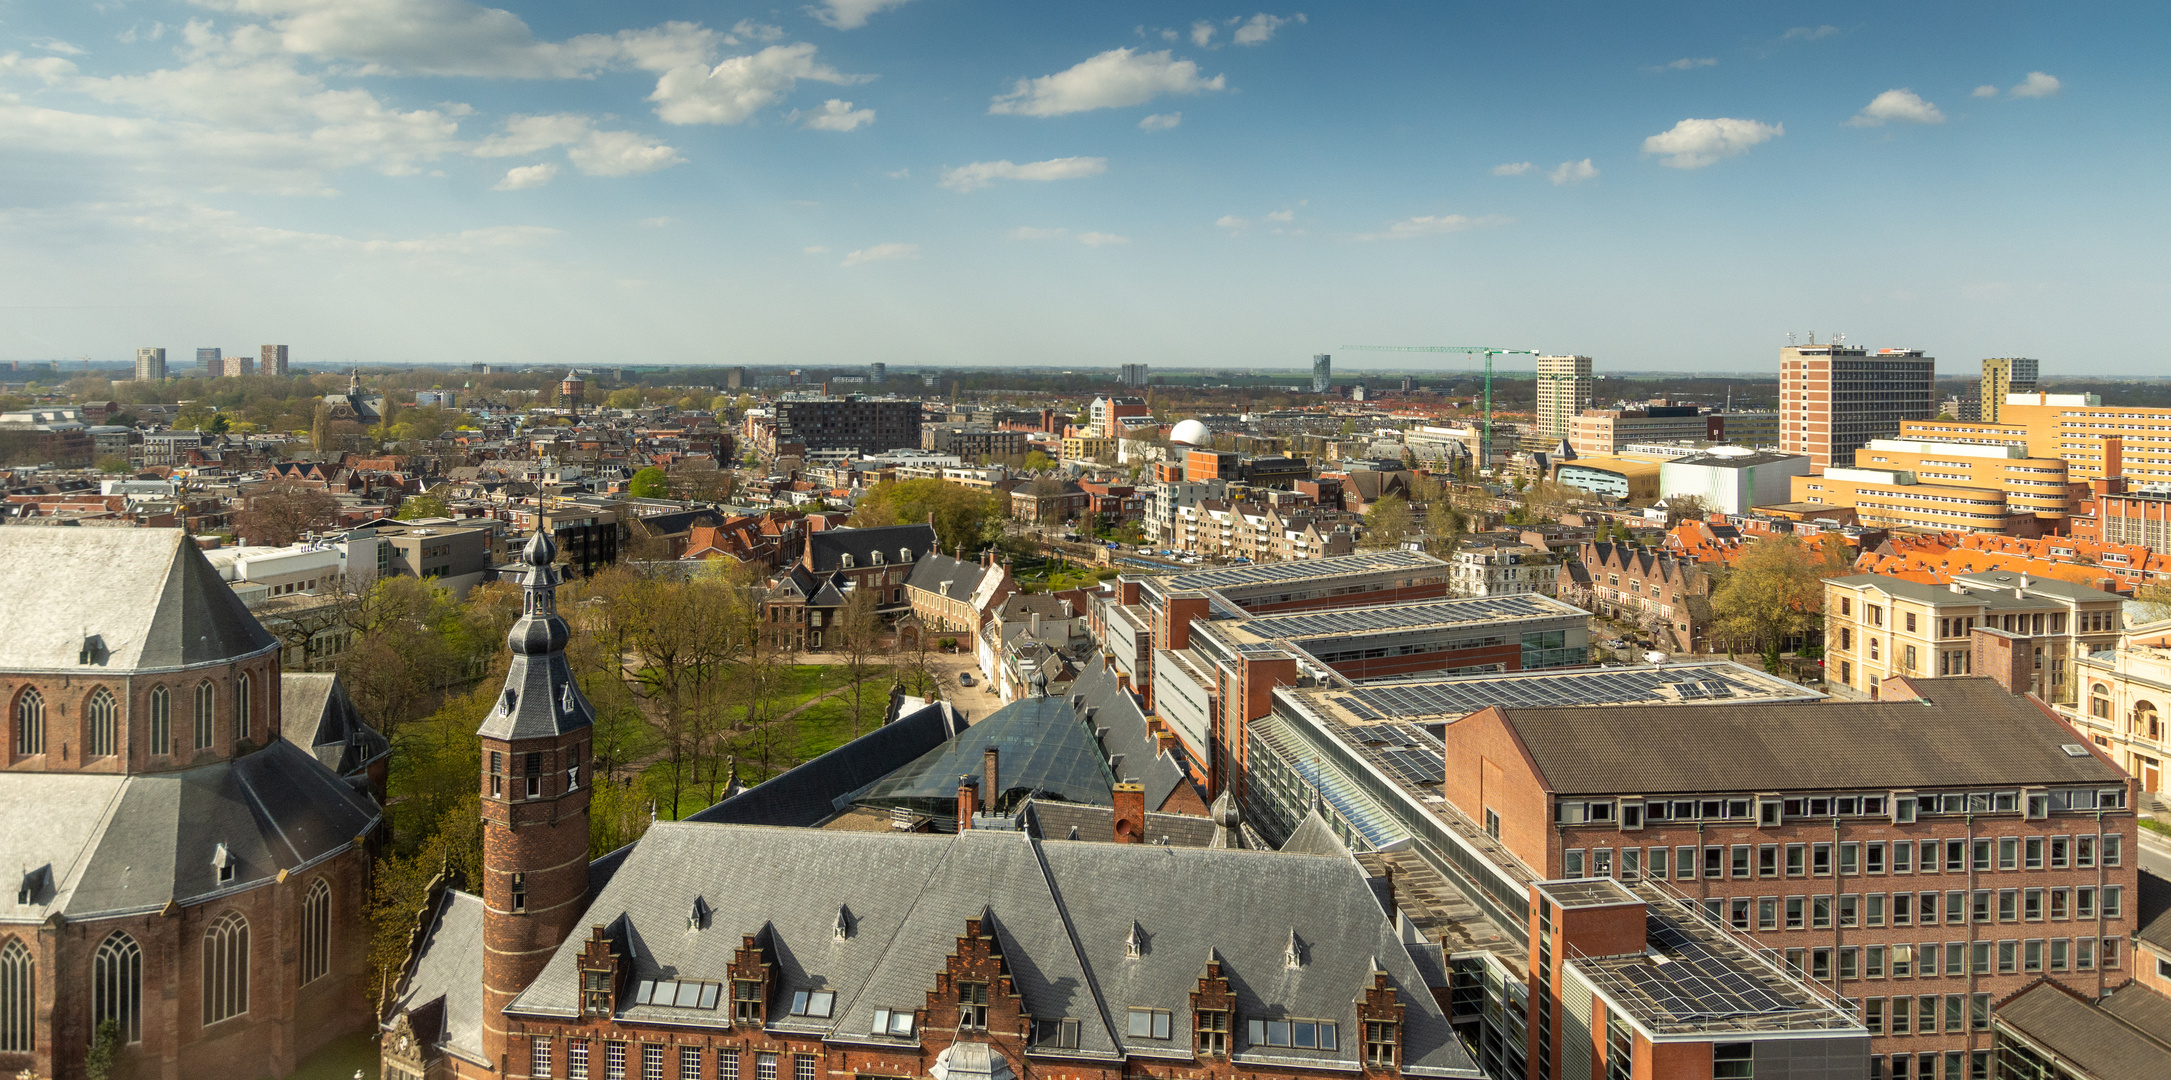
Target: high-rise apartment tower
x,y
150,365
2006,375
1833,399
1564,391
1322,373
271,360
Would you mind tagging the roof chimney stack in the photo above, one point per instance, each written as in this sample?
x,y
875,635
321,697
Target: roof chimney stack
x,y
990,773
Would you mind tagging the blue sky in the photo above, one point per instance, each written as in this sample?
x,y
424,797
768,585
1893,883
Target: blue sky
x,y
940,182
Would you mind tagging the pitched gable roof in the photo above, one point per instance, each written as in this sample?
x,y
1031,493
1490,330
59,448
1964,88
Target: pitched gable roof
x,y
149,597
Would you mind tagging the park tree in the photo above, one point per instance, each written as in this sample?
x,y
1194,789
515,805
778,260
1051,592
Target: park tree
x,y
649,483
1774,593
858,640
1387,521
1680,508
1037,461
967,518
278,514
416,507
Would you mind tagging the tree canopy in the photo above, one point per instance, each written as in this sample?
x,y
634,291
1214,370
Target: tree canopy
x,y
965,517
1774,592
649,483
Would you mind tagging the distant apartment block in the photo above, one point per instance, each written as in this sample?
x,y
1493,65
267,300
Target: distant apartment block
x,y
1322,373
1564,391
211,362
1607,431
150,365
237,366
1833,399
972,442
863,425
878,373
1134,375
2006,375
271,360
1107,414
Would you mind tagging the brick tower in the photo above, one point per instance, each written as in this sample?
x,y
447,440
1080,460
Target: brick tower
x,y
535,777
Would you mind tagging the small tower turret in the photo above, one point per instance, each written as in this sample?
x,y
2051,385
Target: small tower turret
x,y
535,780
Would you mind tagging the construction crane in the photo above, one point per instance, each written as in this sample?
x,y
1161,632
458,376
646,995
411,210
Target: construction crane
x,y
1485,437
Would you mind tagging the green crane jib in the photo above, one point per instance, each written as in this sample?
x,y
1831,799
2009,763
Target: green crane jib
x,y
1485,437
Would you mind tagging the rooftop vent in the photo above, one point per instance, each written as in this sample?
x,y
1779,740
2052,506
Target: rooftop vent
x,y
2074,749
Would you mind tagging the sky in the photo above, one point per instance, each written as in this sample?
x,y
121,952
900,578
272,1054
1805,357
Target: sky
x,y
1663,187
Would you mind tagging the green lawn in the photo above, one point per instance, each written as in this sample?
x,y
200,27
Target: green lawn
x,y
821,728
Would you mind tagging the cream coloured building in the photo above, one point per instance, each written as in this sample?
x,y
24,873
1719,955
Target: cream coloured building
x,y
2124,702
1876,627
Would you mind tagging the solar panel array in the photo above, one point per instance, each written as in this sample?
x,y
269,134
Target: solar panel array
x,y
1699,983
1480,609
1299,570
1404,751
1541,690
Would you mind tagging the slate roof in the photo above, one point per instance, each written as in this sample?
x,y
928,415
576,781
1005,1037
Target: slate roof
x,y
1061,912
1966,732
1125,733
148,595
2122,1039
114,844
951,579
316,715
826,548
1056,820
1045,750
2154,922
444,982
815,791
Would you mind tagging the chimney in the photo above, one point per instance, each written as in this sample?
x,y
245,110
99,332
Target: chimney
x,y
1130,800
968,801
1036,625
990,773
2009,661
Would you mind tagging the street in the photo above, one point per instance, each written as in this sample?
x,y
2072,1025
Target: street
x,y
2156,854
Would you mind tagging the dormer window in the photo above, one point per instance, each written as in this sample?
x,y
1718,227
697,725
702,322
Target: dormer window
x,y
972,1006
223,861
746,1003
595,991
1210,1030
815,1003
845,560
904,554
894,1023
1379,1044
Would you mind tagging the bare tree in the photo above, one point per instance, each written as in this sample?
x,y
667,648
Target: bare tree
x,y
278,514
859,634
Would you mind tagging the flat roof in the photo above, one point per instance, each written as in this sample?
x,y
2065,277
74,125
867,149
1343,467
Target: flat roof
x,y
1397,618
1237,578
1440,699
1588,893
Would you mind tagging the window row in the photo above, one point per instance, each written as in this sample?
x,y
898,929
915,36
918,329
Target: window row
x,y
1873,910
1959,1065
1953,959
101,714
1848,858
657,1061
1927,1014
1775,810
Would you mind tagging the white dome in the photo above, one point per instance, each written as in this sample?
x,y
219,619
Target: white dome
x,y
1191,433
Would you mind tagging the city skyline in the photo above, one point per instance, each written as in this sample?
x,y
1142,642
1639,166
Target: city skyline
x,y
943,184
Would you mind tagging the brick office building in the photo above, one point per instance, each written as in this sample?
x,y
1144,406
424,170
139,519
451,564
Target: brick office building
x,y
731,952
1924,856
192,832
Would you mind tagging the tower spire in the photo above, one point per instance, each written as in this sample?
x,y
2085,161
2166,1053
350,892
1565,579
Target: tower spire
x,y
536,776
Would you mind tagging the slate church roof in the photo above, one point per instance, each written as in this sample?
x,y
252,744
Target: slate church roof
x,y
897,544
88,601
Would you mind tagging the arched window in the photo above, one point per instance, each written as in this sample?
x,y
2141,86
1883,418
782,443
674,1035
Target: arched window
x,y
117,986
2147,723
18,997
161,721
241,707
99,714
206,697
30,722
226,968
316,932
2099,701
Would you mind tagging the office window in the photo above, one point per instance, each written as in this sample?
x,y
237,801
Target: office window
x,y
764,1066
651,1061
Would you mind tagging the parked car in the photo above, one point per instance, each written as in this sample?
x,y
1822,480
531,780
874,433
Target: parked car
x,y
964,678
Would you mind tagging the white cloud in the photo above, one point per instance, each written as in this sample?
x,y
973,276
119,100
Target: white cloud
x,y
1259,29
980,174
1686,63
882,253
1283,216
835,115
1111,80
1431,225
1811,33
1027,232
1101,239
851,14
814,249
132,35
55,45
1202,34
224,232
525,135
2036,85
1515,168
1693,144
1573,172
523,177
46,69
749,30
1237,226
621,153
452,37
1160,121
1985,91
733,91
1902,105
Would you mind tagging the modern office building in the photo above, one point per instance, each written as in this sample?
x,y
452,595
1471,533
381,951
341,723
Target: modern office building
x,y
150,365
212,362
271,360
1322,373
1993,487
1606,431
1616,477
1731,479
1107,414
864,425
1564,391
2006,375
1833,399
877,373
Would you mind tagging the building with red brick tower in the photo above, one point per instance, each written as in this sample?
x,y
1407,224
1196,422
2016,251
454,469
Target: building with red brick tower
x,y
534,801
192,830
571,390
